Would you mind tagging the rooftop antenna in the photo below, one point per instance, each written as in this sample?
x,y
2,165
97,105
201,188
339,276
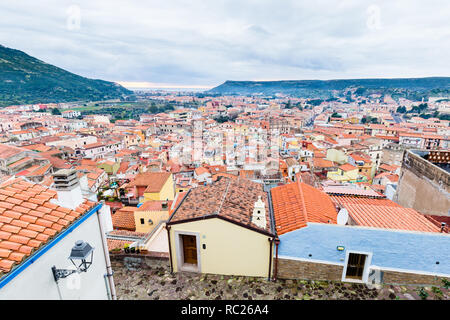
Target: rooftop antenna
x,y
342,217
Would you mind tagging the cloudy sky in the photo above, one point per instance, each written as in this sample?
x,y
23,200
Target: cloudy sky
x,y
203,43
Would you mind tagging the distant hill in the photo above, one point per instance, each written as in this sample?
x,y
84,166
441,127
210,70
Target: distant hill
x,y
26,80
324,88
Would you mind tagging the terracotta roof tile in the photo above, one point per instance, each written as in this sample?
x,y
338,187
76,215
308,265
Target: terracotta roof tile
x,y
10,228
20,223
25,249
16,256
29,205
19,239
50,232
35,213
28,233
28,218
12,214
50,217
22,209
9,245
58,227
7,193
38,201
6,205
50,205
6,264
44,223
43,209
41,236
66,210
4,235
13,200
34,243
4,253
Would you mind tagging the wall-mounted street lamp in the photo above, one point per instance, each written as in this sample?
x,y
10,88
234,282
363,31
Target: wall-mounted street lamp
x,y
81,256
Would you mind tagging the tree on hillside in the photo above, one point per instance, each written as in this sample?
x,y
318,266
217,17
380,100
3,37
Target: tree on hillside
x,y
288,105
401,109
336,115
55,111
153,109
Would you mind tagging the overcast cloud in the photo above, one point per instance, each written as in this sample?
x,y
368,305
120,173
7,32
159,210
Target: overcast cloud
x,y
187,42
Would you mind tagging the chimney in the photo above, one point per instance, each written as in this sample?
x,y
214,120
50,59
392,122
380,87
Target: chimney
x,y
68,188
259,213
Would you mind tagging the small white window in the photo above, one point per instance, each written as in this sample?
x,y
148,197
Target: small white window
x,y
356,267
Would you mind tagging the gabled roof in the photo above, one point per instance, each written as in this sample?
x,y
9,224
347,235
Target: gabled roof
x,y
230,199
154,181
28,220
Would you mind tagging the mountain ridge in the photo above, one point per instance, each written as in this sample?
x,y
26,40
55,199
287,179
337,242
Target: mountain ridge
x,y
319,88
26,80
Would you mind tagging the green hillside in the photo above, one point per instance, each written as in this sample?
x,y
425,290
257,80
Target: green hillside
x,y
27,80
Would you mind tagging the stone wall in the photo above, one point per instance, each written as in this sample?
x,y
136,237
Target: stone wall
x,y
391,277
392,154
423,186
139,261
294,269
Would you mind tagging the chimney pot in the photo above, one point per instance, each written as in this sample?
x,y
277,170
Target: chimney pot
x,y
68,188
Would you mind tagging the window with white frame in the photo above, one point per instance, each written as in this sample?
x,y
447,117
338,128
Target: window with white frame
x,y
356,267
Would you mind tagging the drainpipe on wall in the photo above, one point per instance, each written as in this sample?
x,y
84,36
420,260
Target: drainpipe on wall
x,y
270,257
275,272
109,270
170,248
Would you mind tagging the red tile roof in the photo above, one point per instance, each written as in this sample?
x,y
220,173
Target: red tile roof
x,y
231,199
296,204
384,213
123,219
154,181
7,151
28,220
390,217
347,167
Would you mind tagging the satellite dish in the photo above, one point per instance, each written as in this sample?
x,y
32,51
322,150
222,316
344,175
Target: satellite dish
x,y
342,217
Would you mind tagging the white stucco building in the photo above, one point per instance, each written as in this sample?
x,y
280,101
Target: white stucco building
x,y
66,218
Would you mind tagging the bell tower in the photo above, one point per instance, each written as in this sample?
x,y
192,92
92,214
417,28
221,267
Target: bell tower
x,y
259,213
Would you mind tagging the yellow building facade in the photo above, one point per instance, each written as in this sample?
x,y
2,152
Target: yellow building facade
x,y
343,175
167,191
222,247
147,220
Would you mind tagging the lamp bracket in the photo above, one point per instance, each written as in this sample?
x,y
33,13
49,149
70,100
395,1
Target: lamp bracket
x,y
62,273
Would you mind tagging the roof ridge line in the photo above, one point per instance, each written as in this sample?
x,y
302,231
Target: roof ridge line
x,y
225,195
303,201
